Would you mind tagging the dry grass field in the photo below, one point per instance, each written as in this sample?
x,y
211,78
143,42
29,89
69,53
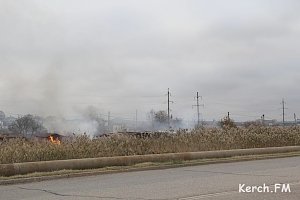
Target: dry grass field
x,y
20,150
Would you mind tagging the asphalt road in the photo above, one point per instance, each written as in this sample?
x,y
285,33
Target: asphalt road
x,y
214,181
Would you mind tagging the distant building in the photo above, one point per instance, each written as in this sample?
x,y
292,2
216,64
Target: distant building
x,y
8,121
5,122
119,128
270,122
2,116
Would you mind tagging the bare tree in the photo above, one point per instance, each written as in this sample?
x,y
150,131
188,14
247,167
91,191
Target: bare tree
x,y
161,116
227,122
176,123
27,125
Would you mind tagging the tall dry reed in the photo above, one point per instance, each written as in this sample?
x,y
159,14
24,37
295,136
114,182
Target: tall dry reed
x,y
21,150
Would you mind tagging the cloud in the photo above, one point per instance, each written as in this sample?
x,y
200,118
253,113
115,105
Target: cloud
x,y
123,55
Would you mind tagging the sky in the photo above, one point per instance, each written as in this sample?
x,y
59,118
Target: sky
x,y
59,57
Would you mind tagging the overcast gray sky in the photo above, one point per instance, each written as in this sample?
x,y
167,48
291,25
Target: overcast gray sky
x,y
58,57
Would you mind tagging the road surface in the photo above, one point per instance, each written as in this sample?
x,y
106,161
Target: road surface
x,y
214,181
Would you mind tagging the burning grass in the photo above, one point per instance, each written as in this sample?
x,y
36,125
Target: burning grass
x,y
20,150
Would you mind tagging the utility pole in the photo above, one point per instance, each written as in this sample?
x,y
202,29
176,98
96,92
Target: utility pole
x,y
136,119
169,107
263,119
169,94
198,110
283,109
108,119
152,119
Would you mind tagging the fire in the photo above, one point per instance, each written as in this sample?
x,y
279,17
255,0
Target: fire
x,y
54,140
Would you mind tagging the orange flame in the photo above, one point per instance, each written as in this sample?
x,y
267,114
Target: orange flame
x,y
54,141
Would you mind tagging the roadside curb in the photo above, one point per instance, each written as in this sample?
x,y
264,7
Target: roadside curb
x,y
94,163
136,169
